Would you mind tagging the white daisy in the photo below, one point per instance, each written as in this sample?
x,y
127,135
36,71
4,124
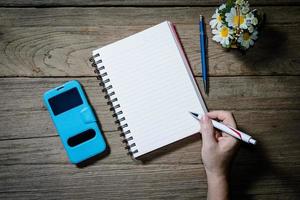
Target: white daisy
x,y
216,18
234,20
223,36
221,7
246,39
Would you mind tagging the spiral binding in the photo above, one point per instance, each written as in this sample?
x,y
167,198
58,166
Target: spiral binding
x,y
102,75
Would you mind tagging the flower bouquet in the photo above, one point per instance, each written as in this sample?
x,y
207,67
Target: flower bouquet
x,y
234,25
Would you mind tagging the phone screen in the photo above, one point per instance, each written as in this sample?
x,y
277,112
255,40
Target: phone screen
x,y
65,101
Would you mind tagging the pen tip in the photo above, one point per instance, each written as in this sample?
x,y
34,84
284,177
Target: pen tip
x,y
205,87
194,114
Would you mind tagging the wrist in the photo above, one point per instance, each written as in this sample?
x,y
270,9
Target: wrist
x,y
219,176
217,173
218,186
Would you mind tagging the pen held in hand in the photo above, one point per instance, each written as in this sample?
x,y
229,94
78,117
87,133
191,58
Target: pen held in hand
x,y
229,130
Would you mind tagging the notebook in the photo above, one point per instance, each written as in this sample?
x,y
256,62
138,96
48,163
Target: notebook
x,y
151,88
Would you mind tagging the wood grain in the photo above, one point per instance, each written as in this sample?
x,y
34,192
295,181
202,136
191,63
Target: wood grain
x,y
105,181
44,146
247,93
58,41
134,181
143,3
26,125
127,16
44,45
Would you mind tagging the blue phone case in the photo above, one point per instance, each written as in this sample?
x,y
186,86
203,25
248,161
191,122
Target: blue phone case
x,y
76,125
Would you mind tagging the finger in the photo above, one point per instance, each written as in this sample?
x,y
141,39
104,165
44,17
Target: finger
x,y
224,134
219,114
230,141
207,131
218,134
224,116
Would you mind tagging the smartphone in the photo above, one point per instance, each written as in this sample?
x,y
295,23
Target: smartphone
x,y
75,121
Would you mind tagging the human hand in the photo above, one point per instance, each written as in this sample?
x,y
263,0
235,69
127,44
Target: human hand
x,y
218,148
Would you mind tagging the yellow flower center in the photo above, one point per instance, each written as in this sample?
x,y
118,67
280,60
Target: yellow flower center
x,y
246,36
238,20
224,32
219,19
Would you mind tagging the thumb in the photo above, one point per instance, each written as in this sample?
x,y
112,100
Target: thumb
x,y
207,131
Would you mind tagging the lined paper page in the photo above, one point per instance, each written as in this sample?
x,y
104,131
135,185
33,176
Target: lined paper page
x,y
153,86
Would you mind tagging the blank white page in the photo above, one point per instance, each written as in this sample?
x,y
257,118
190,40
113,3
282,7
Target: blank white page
x,y
155,88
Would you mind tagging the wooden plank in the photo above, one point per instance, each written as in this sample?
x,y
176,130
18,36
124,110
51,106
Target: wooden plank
x,y
13,3
105,181
266,110
23,177
127,16
247,93
134,182
58,42
43,146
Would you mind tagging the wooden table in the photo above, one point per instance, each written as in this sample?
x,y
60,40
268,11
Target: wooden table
x,y
45,43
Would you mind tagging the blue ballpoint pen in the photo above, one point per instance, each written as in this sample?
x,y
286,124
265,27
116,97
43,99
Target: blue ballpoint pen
x,y
203,53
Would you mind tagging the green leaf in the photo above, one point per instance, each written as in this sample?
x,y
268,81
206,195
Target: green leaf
x,y
230,3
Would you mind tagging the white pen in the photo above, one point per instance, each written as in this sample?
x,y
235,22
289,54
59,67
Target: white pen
x,y
229,130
